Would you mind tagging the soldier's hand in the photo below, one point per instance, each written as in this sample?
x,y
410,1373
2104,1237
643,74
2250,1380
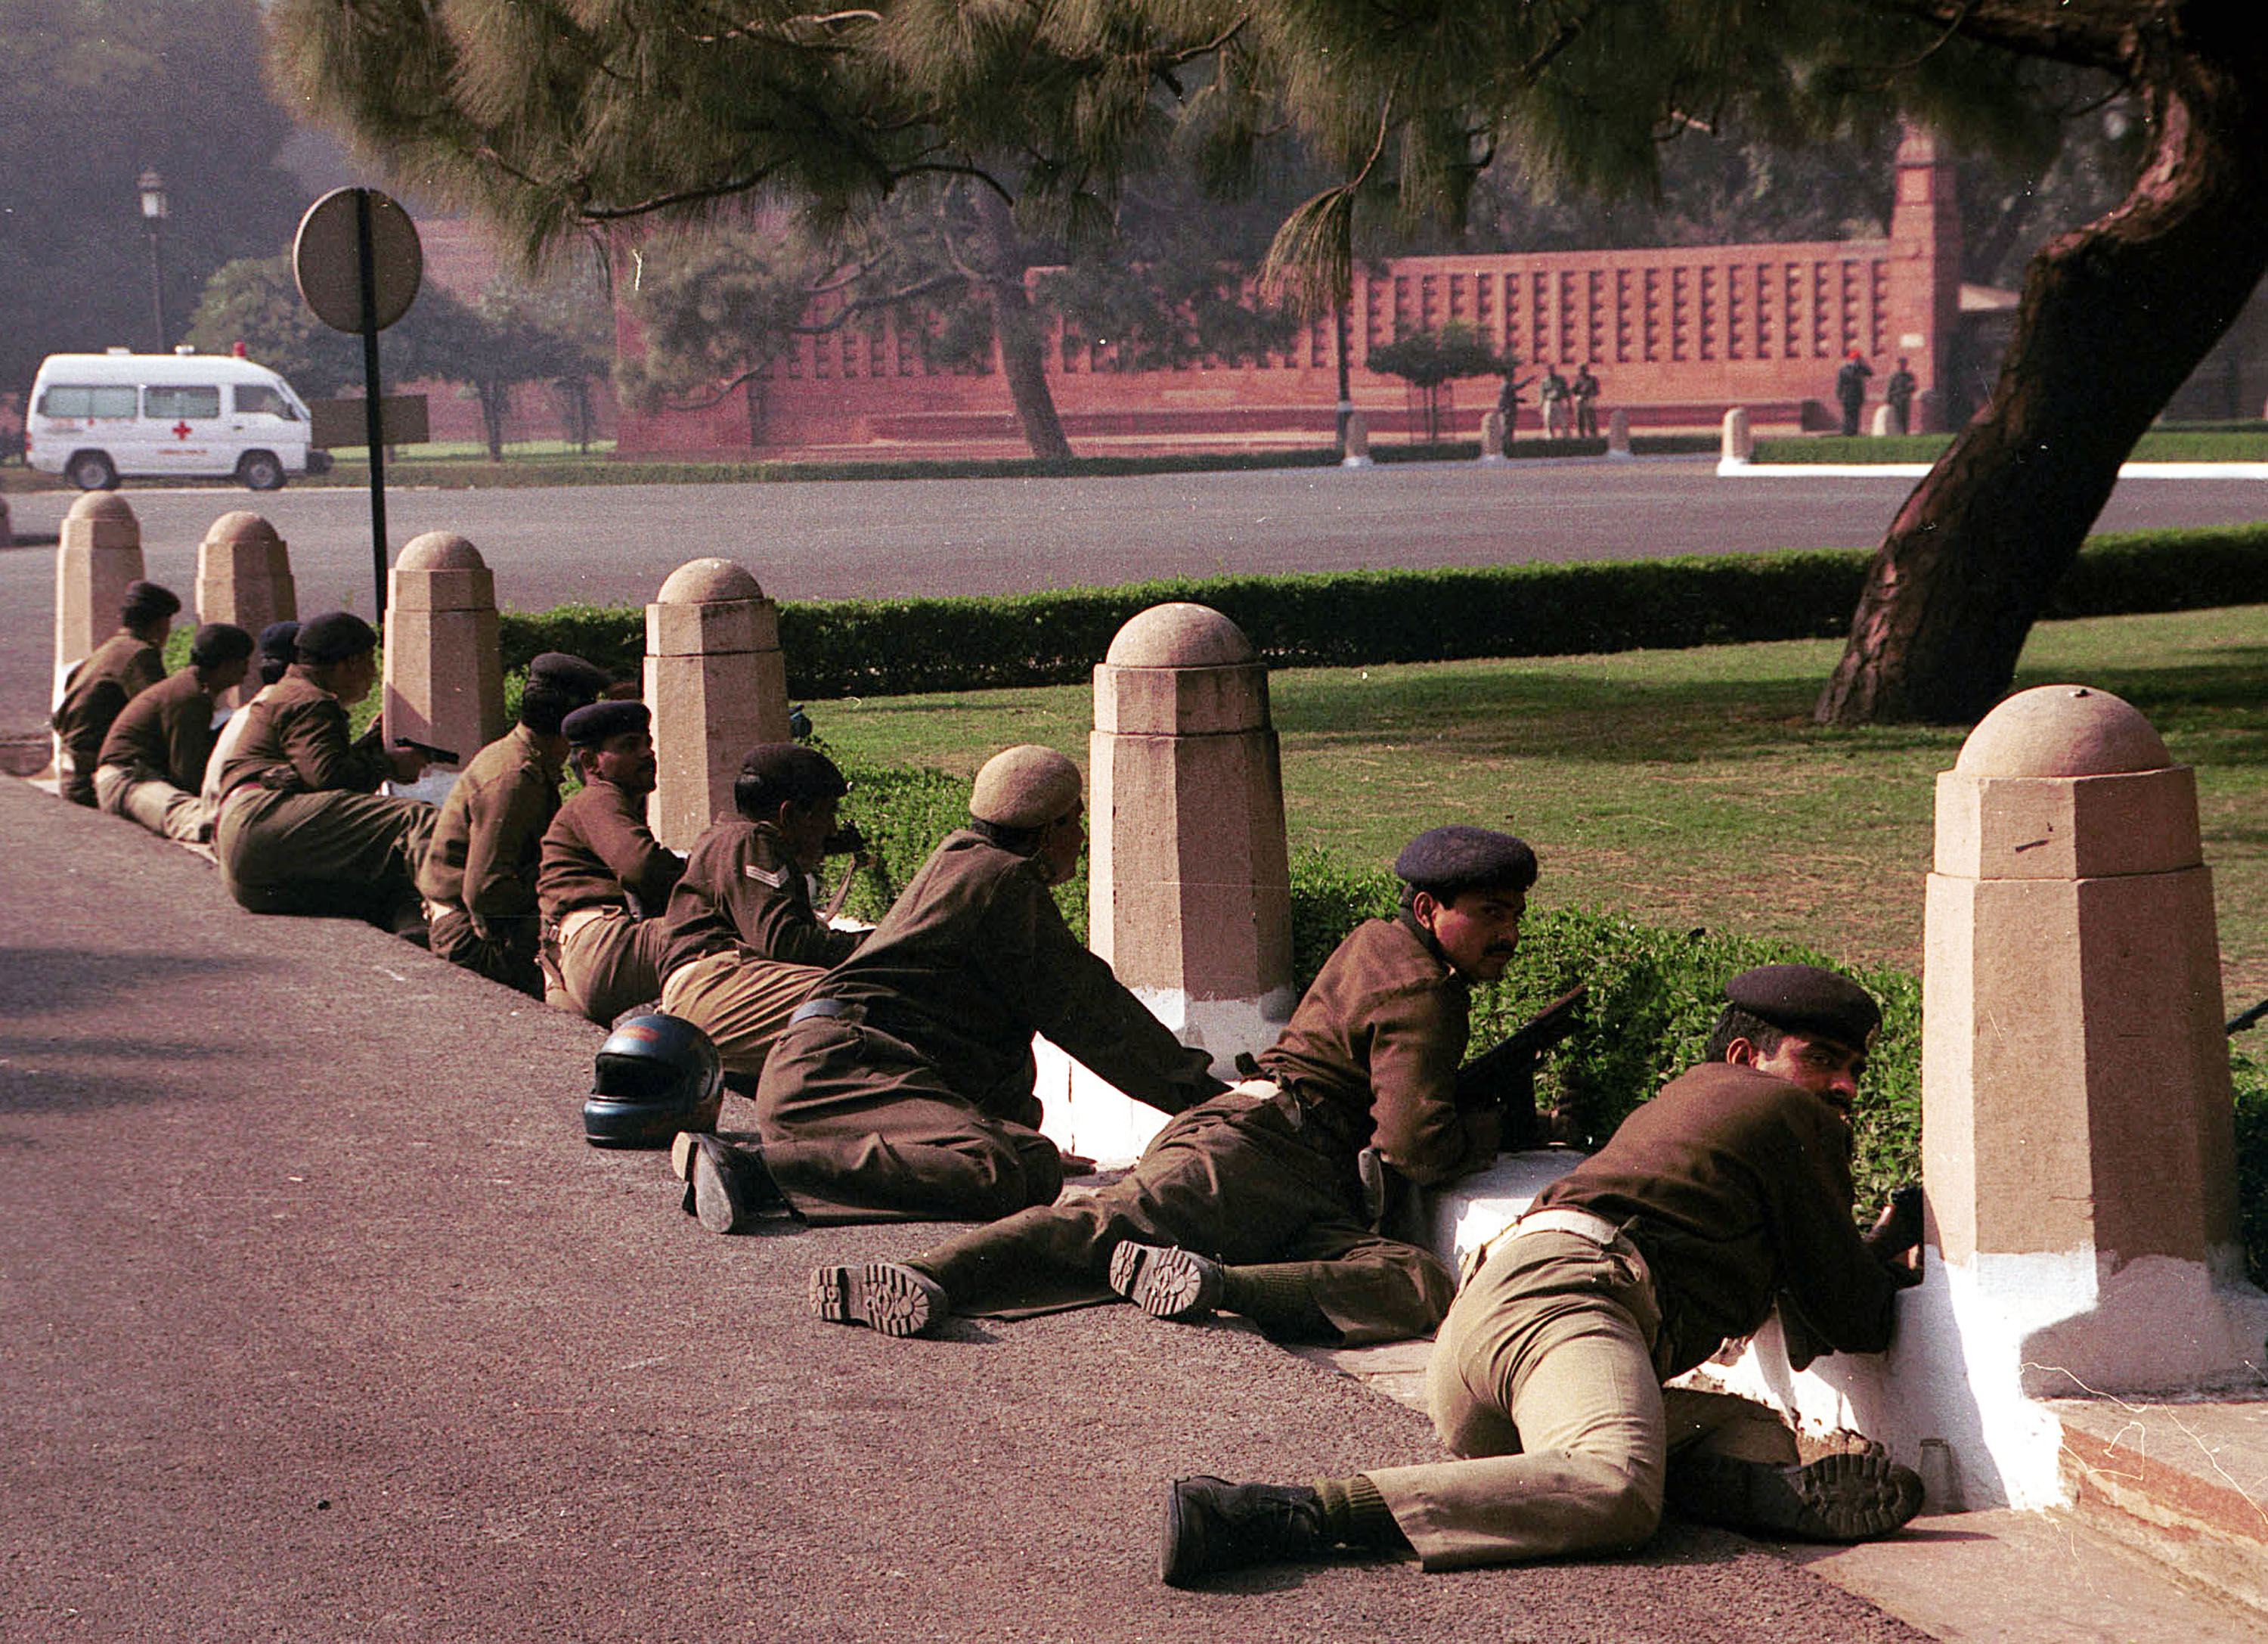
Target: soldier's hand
x,y
1078,1164
407,763
1895,1237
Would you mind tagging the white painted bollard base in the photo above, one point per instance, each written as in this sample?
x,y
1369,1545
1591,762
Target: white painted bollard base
x,y
1086,1114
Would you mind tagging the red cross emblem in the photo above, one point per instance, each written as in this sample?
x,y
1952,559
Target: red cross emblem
x,y
182,430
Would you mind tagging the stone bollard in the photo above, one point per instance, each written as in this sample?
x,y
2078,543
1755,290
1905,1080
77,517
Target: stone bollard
x,y
1739,447
1885,422
1618,433
243,576
1358,441
716,684
1492,436
100,552
444,675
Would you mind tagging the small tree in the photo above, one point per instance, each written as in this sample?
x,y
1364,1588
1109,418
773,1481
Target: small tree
x,y
1431,360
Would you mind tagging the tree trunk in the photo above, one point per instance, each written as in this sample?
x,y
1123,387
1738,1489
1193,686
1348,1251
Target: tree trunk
x,y
2114,318
1019,332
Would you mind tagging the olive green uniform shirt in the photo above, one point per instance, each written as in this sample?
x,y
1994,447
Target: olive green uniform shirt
x,y
166,731
115,672
488,838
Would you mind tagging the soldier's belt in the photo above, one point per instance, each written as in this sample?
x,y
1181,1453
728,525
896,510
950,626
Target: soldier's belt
x,y
1581,1223
571,922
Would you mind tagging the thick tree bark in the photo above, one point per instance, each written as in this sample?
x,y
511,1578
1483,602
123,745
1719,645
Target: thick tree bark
x,y
1021,337
2114,317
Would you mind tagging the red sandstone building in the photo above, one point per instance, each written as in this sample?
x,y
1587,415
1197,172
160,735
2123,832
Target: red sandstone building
x,y
1676,337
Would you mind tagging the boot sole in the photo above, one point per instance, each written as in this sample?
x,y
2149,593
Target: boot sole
x,y
709,1181
885,1296
1163,1280
1842,1498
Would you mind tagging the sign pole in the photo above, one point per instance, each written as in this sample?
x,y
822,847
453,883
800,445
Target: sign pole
x,y
374,405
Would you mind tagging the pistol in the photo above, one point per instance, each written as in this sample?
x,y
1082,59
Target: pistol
x,y
433,755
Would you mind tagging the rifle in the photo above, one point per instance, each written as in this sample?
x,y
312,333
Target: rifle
x,y
848,841
2248,1018
1505,1077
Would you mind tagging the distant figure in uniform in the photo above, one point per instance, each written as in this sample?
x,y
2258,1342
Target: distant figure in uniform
x,y
110,676
152,766
1555,404
1851,389
278,644
604,880
1585,392
1507,402
477,877
1897,394
1728,1192
302,827
902,1089
743,944
1254,1202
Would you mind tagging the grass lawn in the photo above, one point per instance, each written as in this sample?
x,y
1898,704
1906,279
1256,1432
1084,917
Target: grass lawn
x,y
1686,787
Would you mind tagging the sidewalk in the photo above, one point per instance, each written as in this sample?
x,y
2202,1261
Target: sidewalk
x,y
320,1321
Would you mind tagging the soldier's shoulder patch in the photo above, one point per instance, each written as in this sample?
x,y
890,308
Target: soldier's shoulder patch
x,y
776,879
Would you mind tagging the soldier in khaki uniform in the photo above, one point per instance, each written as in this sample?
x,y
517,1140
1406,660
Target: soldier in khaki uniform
x,y
302,827
1730,1188
743,945
111,675
1253,1201
279,643
605,880
478,875
152,764
902,1089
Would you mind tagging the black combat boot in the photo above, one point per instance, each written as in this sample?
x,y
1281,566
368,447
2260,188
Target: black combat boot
x,y
886,1296
1165,1280
727,1187
1212,1525
1854,1497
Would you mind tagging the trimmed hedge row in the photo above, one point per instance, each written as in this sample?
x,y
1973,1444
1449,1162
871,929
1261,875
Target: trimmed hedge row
x,y
2192,442
896,648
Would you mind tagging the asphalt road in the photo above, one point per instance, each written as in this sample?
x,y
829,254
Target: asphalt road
x,y
613,544
319,1321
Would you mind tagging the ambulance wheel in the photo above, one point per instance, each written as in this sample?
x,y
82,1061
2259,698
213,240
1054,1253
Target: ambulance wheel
x,y
260,471
90,471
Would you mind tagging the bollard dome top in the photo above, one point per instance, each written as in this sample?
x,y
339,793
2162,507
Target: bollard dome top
x,y
439,551
101,505
241,525
1180,635
2062,731
709,582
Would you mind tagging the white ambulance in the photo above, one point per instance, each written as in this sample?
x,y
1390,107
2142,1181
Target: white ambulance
x,y
95,418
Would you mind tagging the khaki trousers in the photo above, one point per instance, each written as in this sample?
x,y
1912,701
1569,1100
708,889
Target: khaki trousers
x,y
608,961
334,854
141,795
741,1001
1543,1382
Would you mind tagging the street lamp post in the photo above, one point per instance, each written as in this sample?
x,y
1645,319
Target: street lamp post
x,y
152,190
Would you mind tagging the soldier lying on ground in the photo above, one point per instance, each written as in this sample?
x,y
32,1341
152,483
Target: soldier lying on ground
x,y
152,764
302,829
902,1089
743,944
604,878
478,875
111,675
1731,1186
1253,1202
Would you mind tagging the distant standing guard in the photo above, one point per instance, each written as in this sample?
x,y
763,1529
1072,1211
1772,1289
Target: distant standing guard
x,y
1851,389
302,827
152,766
1585,390
478,875
1555,404
604,880
1897,394
903,1089
113,674
1507,401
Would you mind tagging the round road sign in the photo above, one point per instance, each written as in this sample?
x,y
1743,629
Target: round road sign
x,y
327,259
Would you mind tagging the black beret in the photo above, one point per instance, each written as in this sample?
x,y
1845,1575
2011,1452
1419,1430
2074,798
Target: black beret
x,y
280,641
568,676
146,601
1459,857
1806,999
588,727
334,637
216,643
789,770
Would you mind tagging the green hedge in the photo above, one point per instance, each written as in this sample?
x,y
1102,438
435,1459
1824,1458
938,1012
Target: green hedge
x,y
2194,442
893,647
